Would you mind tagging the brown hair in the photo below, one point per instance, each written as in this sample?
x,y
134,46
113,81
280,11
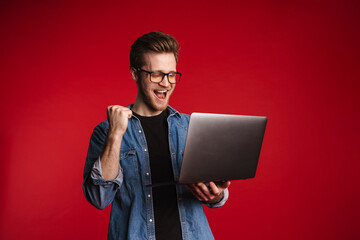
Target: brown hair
x,y
152,42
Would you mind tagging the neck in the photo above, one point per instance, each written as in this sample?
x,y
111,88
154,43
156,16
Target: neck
x,y
142,109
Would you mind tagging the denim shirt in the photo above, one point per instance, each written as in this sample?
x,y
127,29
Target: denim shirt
x,y
132,213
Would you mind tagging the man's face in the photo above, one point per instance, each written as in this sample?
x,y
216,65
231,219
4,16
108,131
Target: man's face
x,y
153,98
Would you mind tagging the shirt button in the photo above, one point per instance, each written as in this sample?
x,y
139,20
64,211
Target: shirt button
x,y
145,150
149,195
147,174
139,131
150,220
183,222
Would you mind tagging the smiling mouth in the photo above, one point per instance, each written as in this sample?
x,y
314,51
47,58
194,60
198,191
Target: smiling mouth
x,y
161,94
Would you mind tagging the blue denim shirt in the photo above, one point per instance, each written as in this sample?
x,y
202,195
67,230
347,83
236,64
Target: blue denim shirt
x,y
132,213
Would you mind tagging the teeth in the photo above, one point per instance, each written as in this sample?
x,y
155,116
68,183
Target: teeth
x,y
164,91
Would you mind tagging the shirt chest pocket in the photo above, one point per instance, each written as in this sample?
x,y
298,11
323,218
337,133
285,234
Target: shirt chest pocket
x,y
130,170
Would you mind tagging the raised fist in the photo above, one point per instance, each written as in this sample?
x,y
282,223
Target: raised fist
x,y
118,117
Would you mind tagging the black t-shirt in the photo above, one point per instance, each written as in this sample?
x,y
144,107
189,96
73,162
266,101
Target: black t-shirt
x,y
167,220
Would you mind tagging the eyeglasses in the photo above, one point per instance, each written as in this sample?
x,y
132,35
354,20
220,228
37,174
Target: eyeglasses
x,y
158,77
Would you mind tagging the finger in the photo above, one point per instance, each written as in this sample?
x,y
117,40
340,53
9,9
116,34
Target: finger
x,y
107,112
224,185
117,109
110,109
199,191
125,113
205,190
113,107
128,112
214,189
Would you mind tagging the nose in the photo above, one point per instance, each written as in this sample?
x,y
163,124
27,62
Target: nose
x,y
165,82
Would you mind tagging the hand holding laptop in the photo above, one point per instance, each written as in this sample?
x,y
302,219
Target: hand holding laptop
x,y
211,193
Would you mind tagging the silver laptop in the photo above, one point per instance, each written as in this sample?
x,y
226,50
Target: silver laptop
x,y
222,147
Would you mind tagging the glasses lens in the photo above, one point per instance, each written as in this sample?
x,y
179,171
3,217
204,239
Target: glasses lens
x,y
156,77
174,77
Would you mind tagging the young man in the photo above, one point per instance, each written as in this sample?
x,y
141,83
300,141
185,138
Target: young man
x,y
142,144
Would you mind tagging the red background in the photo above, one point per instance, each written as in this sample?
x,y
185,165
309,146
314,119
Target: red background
x,y
296,62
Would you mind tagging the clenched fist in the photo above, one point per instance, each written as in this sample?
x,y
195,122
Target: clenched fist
x,y
118,117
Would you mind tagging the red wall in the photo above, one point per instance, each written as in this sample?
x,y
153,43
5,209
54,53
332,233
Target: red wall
x,y
297,62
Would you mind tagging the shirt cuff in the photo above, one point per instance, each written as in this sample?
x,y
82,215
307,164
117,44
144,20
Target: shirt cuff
x,y
222,201
97,177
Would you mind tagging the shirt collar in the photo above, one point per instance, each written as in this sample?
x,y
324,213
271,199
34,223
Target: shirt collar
x,y
172,111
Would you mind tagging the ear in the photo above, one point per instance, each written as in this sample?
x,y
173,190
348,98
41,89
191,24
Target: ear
x,y
134,74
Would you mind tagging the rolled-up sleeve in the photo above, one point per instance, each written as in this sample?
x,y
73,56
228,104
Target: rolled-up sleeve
x,y
97,190
97,177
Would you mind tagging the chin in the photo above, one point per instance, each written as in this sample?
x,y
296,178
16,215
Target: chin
x,y
153,103
159,107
